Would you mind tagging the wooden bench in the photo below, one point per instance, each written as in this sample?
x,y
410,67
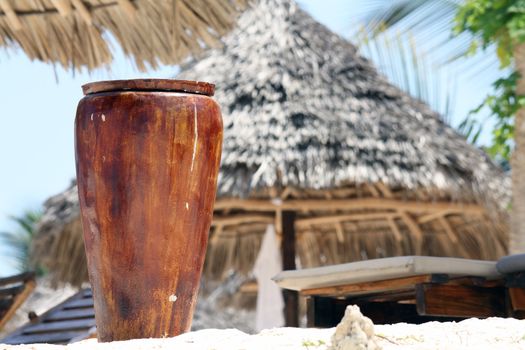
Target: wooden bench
x,y
411,289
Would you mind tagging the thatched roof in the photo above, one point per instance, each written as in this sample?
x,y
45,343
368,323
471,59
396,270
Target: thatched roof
x,y
75,33
303,109
311,126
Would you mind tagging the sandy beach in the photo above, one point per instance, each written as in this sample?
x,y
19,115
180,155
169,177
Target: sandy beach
x,y
493,333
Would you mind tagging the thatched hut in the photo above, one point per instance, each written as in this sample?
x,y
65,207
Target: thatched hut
x,y
316,142
75,33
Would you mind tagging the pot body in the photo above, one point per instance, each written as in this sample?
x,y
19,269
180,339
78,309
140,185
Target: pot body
x,y
147,164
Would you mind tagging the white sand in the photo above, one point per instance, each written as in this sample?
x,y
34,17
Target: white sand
x,y
493,333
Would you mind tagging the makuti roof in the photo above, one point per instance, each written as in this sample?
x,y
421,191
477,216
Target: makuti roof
x,y
305,115
77,33
302,108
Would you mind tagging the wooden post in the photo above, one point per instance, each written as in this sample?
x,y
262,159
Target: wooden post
x,y
291,298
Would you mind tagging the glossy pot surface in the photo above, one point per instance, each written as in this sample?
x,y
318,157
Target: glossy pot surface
x,y
147,158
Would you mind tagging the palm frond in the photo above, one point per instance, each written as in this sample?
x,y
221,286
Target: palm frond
x,y
19,240
399,58
446,62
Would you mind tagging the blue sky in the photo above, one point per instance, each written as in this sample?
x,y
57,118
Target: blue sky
x,y
37,109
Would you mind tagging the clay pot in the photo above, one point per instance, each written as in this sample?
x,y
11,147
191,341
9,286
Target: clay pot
x,y
147,157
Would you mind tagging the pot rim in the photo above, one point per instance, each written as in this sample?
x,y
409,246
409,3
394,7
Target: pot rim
x,y
173,85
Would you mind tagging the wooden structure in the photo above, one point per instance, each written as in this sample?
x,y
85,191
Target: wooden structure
x,y
345,165
69,321
414,297
14,290
74,33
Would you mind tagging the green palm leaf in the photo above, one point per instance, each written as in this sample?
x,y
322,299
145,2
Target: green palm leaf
x,y
19,241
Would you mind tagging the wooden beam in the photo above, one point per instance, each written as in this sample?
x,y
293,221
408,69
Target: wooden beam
x,y
448,229
340,233
416,231
376,286
433,216
249,287
345,217
278,222
17,301
291,298
460,301
343,192
385,190
286,192
63,7
373,190
11,15
340,204
395,230
83,11
216,234
241,219
346,204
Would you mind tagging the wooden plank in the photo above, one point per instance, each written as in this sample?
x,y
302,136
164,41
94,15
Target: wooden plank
x,y
476,281
385,285
17,301
406,295
61,326
291,298
460,301
79,303
71,314
50,338
517,298
346,204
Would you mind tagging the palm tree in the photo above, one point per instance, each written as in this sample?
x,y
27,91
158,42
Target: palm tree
x,y
517,233
19,241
